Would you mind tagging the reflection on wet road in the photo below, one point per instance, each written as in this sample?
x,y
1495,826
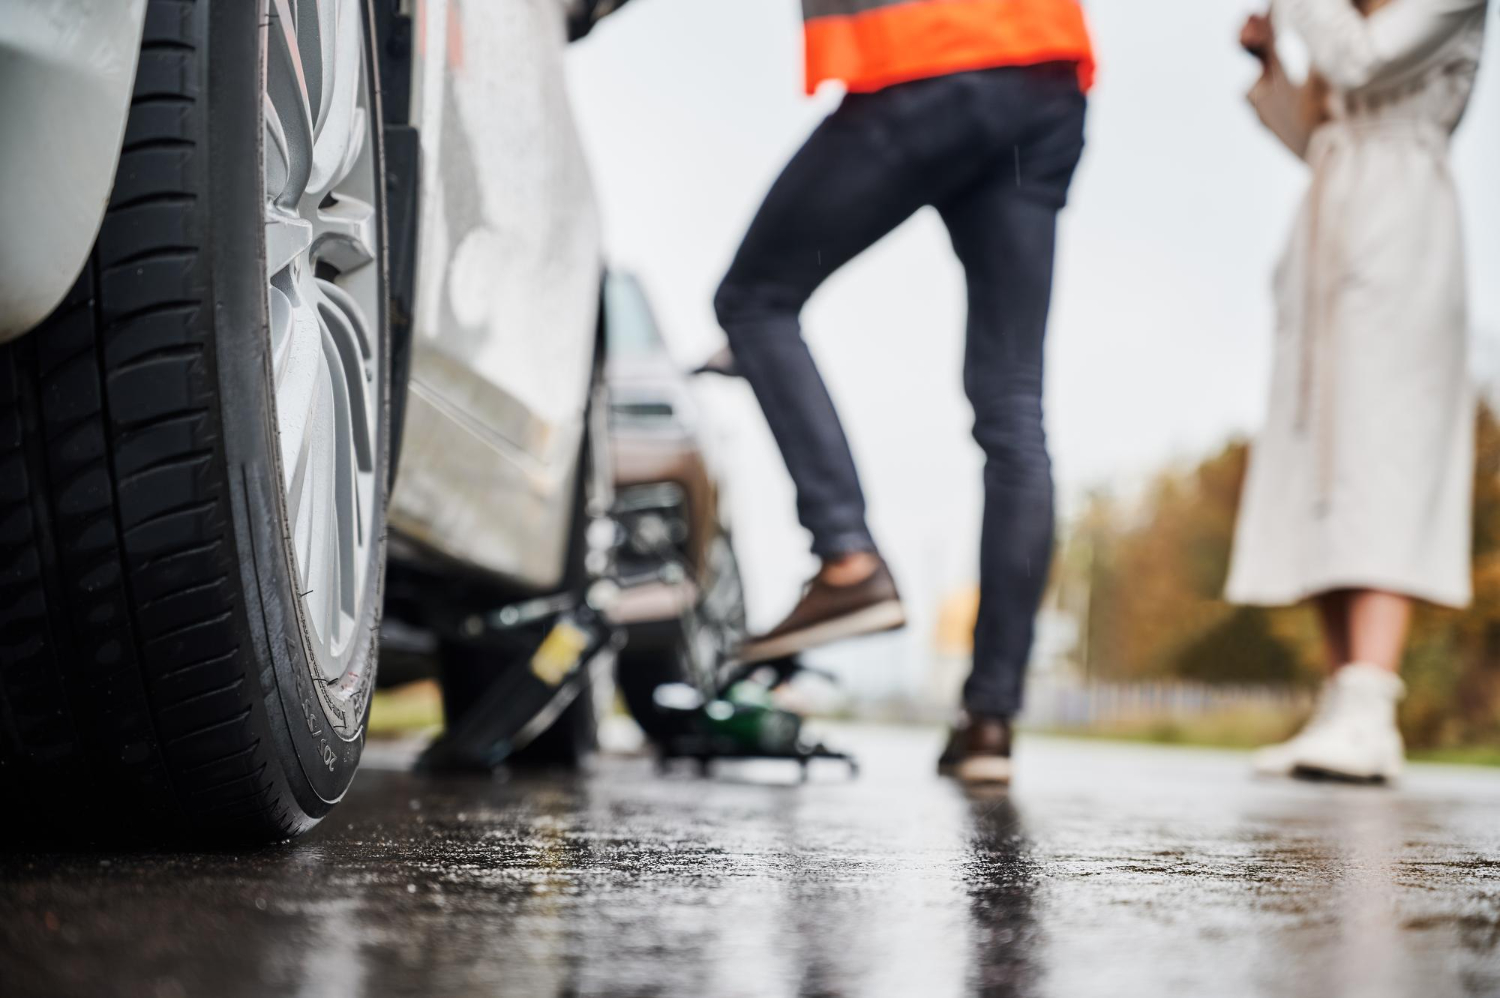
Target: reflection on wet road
x,y
1109,870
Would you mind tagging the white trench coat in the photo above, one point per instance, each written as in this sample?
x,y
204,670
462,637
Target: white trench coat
x,y
1362,476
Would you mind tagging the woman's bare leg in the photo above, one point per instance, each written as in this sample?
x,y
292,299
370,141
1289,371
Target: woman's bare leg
x,y
1353,733
1378,624
1333,613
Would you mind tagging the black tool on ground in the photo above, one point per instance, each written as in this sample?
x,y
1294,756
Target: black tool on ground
x,y
519,704
566,641
742,721
727,712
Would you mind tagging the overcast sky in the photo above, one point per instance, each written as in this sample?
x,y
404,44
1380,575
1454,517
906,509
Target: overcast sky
x,y
1160,339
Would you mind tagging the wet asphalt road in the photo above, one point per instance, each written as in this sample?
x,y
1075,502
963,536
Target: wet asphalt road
x,y
1108,870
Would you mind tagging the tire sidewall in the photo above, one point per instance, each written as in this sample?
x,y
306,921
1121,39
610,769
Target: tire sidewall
x,y
318,736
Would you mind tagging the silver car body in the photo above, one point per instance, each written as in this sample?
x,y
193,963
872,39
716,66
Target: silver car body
x,y
509,256
507,291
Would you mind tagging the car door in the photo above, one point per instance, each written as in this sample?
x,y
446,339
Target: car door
x,y
509,267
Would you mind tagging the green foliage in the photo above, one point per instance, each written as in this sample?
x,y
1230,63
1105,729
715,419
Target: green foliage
x,y
1241,649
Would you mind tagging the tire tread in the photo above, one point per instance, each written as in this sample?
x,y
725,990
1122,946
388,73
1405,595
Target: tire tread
x,y
127,699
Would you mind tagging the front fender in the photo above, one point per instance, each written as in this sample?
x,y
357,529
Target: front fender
x,y
67,68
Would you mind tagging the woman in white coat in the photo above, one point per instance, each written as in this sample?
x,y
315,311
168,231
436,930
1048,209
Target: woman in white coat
x,y
1359,488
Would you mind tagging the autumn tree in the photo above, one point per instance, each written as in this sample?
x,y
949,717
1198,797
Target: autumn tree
x,y
1148,580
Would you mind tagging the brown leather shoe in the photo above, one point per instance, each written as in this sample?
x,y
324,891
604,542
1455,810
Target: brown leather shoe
x,y
978,750
828,613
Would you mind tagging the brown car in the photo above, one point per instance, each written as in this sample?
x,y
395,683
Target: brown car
x,y
682,603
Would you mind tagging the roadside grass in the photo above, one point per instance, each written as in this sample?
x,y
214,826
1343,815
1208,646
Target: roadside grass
x,y
1248,729
1240,728
1470,755
406,710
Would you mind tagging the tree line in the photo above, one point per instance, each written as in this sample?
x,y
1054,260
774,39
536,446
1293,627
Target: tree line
x,y
1145,579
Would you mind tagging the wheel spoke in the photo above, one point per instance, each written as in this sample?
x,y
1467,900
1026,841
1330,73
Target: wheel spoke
x,y
307,494
288,236
344,358
300,504
315,28
345,437
323,508
362,485
332,563
300,499
340,123
352,312
278,153
297,390
286,86
283,325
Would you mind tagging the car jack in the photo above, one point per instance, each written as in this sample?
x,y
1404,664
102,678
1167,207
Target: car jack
x,y
741,721
729,716
522,703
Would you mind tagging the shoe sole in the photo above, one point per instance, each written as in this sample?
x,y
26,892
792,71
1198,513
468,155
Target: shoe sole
x,y
1318,774
874,619
994,769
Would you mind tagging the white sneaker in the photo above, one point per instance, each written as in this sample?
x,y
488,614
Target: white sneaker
x,y
1281,759
1352,734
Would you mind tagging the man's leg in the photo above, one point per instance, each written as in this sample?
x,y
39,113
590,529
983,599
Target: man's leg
x,y
1006,245
840,193
845,189
1004,232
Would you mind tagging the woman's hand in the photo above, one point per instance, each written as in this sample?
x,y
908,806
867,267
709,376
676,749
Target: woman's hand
x,y
1258,38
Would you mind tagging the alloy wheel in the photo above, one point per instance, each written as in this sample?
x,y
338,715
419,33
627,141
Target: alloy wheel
x,y
324,296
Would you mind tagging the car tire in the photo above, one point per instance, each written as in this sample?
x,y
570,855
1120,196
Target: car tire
x,y
689,650
160,669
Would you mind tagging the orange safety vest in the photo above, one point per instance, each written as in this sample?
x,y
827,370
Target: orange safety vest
x,y
870,44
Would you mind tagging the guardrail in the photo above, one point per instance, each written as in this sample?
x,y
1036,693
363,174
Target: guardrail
x,y
1064,706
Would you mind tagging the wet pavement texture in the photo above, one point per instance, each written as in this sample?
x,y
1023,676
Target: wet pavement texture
x,y
1108,869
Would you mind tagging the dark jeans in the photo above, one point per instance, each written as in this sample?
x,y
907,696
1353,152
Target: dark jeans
x,y
994,152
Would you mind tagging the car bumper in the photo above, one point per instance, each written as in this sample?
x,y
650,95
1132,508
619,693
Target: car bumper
x,y
67,69
653,603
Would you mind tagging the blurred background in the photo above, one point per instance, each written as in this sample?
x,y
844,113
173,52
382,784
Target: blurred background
x,y
1158,362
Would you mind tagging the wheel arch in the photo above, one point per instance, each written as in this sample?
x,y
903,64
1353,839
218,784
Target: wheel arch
x,y
403,185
